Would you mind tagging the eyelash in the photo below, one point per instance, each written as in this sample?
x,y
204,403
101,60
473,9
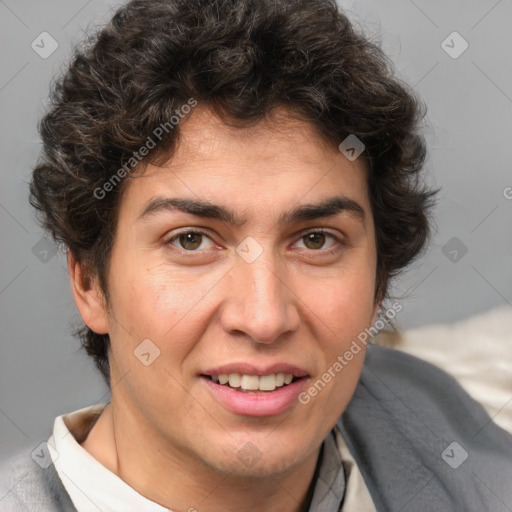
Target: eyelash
x,y
325,252
339,243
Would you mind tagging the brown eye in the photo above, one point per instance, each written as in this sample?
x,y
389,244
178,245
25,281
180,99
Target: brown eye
x,y
319,242
190,241
314,240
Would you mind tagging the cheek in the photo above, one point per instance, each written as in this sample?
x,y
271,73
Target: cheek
x,y
343,302
154,302
342,309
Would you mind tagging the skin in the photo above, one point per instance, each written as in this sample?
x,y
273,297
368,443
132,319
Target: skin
x,y
165,433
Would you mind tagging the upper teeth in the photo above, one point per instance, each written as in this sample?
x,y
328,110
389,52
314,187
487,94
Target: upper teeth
x,y
254,382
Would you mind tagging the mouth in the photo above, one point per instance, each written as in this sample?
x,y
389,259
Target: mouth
x,y
253,392
246,383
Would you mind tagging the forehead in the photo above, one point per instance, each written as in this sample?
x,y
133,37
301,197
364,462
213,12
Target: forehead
x,y
279,160
205,135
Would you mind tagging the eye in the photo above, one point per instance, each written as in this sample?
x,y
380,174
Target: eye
x,y
315,240
191,241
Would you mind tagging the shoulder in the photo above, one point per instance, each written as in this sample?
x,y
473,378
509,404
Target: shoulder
x,y
409,423
402,375
29,481
408,389
18,481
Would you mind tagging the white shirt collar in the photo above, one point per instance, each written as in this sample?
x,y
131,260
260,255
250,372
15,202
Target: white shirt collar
x,y
93,488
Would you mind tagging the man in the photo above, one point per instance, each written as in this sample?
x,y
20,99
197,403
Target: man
x,y
236,182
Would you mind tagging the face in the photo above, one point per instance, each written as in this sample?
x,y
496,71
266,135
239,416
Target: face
x,y
249,255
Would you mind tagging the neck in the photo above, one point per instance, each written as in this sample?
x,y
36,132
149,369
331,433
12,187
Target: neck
x,y
138,459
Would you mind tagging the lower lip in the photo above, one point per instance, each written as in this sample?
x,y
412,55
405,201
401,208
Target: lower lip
x,y
264,403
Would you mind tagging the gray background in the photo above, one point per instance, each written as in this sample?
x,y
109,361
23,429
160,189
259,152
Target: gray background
x,y
42,372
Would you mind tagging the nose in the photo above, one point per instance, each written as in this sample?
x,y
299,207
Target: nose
x,y
260,303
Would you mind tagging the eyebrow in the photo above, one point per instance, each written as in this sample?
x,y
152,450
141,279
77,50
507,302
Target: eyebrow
x,y
327,208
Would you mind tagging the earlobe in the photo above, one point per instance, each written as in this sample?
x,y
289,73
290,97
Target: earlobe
x,y
88,296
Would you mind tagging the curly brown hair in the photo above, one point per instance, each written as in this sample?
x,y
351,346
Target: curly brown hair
x,y
242,58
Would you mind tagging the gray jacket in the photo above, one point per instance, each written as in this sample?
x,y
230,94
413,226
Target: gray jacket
x,y
421,442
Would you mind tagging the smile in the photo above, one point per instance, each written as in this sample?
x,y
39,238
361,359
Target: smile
x,y
253,383
245,390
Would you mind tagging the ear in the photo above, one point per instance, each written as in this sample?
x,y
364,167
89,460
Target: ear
x,y
376,311
88,296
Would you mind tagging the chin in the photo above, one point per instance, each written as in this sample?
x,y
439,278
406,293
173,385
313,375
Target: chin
x,y
262,458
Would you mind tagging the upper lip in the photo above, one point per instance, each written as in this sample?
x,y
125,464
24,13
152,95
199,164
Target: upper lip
x,y
245,368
